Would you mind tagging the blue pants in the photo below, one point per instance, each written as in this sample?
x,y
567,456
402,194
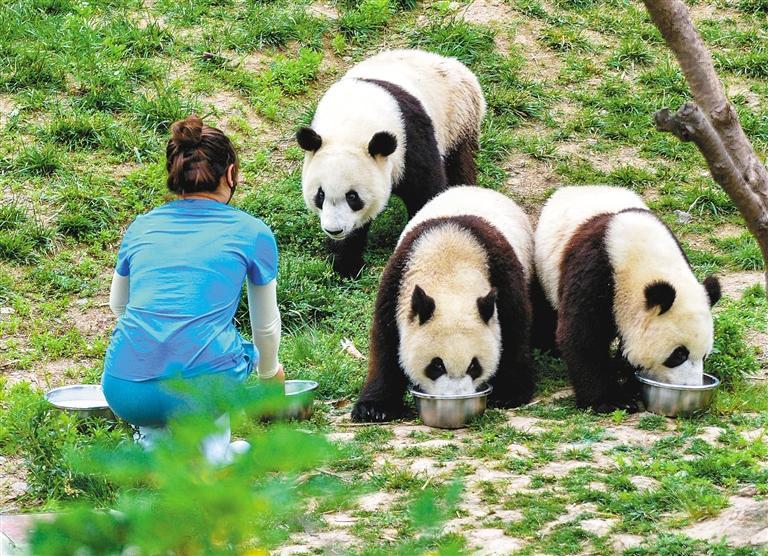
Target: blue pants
x,y
152,403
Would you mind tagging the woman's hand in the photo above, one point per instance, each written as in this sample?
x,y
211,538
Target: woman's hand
x,y
278,378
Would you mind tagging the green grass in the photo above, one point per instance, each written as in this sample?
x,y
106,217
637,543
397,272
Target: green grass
x,y
571,87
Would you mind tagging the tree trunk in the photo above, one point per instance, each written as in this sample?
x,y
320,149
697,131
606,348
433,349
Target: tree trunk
x,y
712,123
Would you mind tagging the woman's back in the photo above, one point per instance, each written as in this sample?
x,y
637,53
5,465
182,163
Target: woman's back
x,y
187,261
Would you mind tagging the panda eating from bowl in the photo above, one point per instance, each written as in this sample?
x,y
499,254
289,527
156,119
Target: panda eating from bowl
x,y
453,309
612,270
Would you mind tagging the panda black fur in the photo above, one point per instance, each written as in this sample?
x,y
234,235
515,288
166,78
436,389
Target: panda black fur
x,y
453,311
404,122
611,269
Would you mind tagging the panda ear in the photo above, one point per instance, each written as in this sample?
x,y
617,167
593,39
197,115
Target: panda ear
x,y
660,294
382,143
422,305
308,139
487,305
712,285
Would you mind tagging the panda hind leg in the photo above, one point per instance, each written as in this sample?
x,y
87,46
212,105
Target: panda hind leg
x,y
459,162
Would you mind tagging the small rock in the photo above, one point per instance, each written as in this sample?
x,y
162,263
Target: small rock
x,y
754,435
710,434
742,523
81,301
6,311
683,217
598,527
748,490
597,486
19,488
643,483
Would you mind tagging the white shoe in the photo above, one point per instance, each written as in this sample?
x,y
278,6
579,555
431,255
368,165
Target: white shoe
x,y
149,437
239,447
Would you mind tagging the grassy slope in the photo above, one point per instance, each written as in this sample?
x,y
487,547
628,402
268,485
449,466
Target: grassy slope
x,y
88,89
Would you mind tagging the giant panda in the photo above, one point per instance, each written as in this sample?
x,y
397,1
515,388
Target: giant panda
x,y
453,311
404,122
613,271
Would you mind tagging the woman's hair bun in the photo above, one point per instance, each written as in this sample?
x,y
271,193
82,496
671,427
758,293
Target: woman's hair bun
x,y
187,133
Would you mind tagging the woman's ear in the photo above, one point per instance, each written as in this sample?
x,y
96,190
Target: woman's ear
x,y
231,175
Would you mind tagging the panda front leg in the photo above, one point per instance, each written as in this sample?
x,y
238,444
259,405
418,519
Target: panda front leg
x,y
584,336
347,254
381,398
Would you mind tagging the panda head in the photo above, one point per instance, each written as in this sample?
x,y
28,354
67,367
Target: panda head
x,y
450,344
346,185
676,332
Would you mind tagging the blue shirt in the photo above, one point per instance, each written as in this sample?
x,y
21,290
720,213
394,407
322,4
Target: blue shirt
x,y
187,262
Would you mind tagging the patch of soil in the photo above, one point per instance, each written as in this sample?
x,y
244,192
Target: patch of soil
x,y
13,483
726,229
543,64
532,425
324,10
490,542
733,284
486,12
744,523
7,106
528,181
376,501
94,321
326,542
45,376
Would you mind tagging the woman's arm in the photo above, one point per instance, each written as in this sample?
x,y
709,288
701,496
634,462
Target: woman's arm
x,y
265,326
118,294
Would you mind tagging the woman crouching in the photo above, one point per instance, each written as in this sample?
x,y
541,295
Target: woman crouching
x,y
176,286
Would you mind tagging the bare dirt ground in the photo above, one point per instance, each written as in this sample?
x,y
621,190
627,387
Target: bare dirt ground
x,y
744,522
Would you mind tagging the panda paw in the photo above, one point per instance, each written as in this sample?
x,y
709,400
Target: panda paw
x,y
375,412
630,406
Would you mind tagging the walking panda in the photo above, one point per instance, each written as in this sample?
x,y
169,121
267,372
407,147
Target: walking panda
x,y
404,122
452,311
611,269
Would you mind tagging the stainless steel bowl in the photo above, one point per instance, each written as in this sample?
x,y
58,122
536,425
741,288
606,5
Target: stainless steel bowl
x,y
300,397
674,400
297,404
450,412
83,400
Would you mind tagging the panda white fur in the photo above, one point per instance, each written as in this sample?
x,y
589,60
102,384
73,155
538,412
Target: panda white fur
x,y
453,309
404,122
611,269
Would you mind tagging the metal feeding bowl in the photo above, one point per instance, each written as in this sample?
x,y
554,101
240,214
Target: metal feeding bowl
x,y
450,412
674,400
297,403
83,400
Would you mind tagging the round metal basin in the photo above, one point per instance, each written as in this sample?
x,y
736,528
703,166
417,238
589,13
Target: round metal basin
x,y
83,400
674,400
450,412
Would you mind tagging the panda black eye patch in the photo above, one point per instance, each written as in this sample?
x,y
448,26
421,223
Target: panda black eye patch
x,y
354,201
677,357
319,197
435,369
475,369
